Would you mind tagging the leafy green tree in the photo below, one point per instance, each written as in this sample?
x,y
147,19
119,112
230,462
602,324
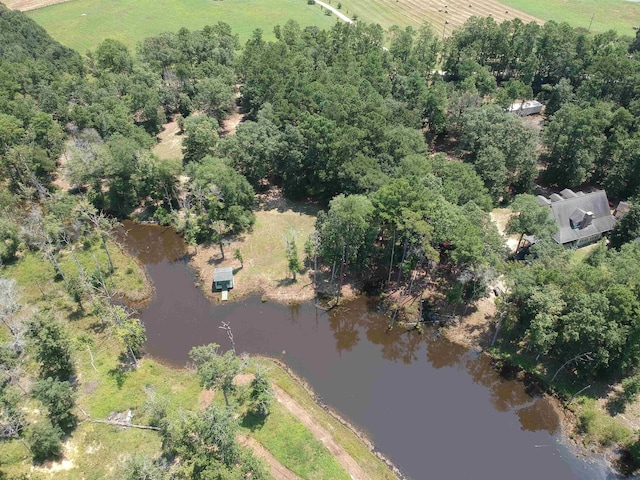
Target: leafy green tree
x,y
556,49
113,56
222,200
558,95
59,399
403,210
261,394
574,140
207,447
513,90
502,149
345,228
628,228
45,132
214,96
44,441
11,131
216,370
51,346
201,137
237,254
529,218
293,261
75,289
9,240
255,148
132,333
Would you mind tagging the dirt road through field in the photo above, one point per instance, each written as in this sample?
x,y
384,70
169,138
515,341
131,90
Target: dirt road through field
x,y
277,470
338,13
348,463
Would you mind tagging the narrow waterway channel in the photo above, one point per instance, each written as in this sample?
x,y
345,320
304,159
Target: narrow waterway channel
x,y
436,409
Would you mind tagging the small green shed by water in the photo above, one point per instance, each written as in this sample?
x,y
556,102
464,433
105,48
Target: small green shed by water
x,y
223,278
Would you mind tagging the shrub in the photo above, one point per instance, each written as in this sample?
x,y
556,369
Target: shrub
x,y
599,427
155,409
44,440
8,241
59,399
631,388
261,394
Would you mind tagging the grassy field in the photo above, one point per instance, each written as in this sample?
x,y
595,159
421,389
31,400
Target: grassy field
x,y
264,253
83,24
435,12
619,15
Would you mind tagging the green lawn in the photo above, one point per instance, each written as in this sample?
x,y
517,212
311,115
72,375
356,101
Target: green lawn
x,y
619,15
83,24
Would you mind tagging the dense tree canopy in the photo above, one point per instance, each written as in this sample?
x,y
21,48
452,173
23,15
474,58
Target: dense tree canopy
x,y
403,160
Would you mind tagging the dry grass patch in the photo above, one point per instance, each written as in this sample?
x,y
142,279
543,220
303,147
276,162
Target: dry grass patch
x,y
501,216
169,146
435,12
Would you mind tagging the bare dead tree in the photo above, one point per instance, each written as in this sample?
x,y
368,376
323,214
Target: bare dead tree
x,y
225,326
9,307
582,357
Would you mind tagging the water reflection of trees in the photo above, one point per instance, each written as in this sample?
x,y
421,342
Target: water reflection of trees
x,y
507,395
151,243
348,321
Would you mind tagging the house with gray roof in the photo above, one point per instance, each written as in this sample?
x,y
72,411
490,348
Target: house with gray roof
x,y
582,218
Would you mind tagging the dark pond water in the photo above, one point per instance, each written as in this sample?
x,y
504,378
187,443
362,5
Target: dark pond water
x,y
437,410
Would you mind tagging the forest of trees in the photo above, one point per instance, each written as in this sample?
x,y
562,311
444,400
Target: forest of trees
x,y
406,147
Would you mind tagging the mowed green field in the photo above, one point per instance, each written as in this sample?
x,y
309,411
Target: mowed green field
x,y
619,15
83,24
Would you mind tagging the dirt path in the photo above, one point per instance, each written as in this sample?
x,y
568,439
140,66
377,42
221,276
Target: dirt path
x,y
338,13
277,470
230,124
348,463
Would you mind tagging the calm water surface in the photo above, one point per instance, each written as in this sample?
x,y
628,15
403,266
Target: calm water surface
x,y
436,409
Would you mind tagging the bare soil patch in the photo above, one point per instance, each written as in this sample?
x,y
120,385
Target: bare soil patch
x,y
205,398
230,124
60,180
476,329
501,216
